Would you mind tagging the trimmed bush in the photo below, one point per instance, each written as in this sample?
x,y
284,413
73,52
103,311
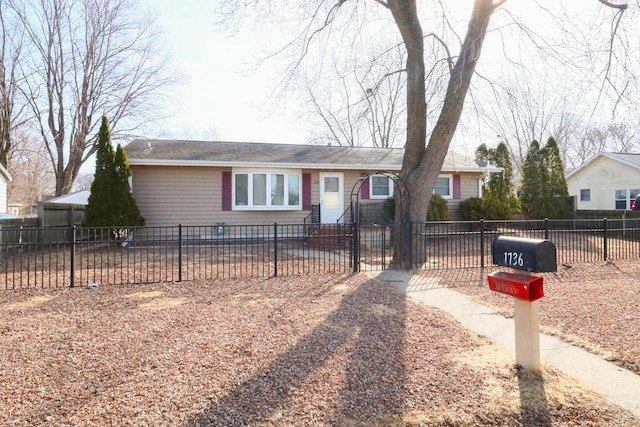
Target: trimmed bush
x,y
475,209
438,209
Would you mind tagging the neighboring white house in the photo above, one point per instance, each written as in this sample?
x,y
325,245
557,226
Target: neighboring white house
x,y
5,178
205,182
78,198
607,181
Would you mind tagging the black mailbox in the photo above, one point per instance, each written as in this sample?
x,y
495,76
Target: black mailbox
x,y
534,255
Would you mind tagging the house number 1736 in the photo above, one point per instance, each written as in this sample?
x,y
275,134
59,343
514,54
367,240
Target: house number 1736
x,y
513,258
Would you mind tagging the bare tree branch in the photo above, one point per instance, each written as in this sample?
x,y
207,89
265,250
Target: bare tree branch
x,y
87,58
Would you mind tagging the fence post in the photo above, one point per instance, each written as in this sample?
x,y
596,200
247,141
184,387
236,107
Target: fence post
x,y
355,243
384,247
73,257
275,249
604,235
481,243
546,228
179,252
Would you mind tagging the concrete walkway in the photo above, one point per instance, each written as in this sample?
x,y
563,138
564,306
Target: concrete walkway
x,y
619,385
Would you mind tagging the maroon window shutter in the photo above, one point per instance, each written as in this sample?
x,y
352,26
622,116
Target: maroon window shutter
x,y
364,189
456,186
306,191
226,191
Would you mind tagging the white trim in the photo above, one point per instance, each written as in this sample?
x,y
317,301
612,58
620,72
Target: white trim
x,y
595,157
380,197
273,165
450,196
268,172
269,165
340,209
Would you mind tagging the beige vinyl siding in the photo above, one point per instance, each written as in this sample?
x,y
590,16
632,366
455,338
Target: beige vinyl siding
x,y
168,196
468,188
602,177
192,195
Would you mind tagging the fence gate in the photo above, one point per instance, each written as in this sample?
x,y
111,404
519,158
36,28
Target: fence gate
x,y
374,225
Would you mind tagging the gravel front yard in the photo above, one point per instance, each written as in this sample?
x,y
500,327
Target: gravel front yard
x,y
595,306
315,350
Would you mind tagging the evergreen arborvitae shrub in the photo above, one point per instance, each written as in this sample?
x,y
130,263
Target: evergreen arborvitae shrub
x,y
543,191
533,187
98,212
389,208
129,213
557,191
111,203
499,187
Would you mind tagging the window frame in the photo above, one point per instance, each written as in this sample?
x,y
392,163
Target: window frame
x,y
617,199
450,178
585,195
270,173
389,187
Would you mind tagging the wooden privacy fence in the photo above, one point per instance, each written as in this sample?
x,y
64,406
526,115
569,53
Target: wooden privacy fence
x,y
60,215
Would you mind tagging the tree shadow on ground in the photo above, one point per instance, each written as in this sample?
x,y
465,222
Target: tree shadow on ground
x,y
368,329
534,406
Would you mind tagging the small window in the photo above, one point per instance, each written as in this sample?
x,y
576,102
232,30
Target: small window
x,y
444,187
621,199
242,189
259,189
294,190
381,187
585,195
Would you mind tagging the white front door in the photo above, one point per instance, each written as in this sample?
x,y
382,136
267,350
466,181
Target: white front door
x,y
331,197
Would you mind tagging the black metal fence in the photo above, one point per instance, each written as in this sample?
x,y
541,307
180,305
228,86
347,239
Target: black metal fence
x,y
54,257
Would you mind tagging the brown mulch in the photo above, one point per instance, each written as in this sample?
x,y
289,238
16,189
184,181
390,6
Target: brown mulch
x,y
595,306
310,350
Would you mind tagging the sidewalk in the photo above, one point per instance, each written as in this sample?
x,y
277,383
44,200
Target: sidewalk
x,y
619,385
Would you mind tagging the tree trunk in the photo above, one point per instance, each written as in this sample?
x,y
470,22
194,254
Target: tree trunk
x,y
421,166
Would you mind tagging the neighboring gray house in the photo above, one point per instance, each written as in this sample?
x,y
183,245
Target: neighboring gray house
x,y
606,181
204,182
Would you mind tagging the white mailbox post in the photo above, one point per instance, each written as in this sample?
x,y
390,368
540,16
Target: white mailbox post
x,y
532,256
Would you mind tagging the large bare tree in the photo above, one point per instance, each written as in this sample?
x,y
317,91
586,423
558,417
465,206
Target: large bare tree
x,y
358,104
87,58
521,111
10,54
425,148
31,172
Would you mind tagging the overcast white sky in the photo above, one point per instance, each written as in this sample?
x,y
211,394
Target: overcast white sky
x,y
219,93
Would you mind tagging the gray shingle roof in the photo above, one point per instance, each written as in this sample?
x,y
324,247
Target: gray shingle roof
x,y
222,153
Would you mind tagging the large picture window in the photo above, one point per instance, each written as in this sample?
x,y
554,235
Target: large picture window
x,y
444,186
266,190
